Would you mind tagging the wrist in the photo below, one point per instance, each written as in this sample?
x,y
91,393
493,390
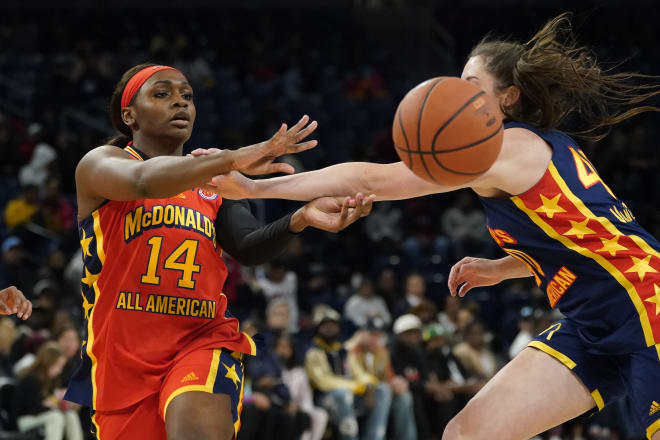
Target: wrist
x,y
297,223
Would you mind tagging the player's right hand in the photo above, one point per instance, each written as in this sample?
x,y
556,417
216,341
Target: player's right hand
x,y
12,301
472,272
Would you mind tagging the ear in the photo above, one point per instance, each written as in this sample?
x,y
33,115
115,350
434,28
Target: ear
x,y
128,115
511,96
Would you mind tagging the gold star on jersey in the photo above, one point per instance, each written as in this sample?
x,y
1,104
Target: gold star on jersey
x,y
655,299
611,245
550,206
641,266
580,229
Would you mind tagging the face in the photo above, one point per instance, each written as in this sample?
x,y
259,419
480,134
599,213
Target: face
x,y
278,317
56,369
283,348
411,338
329,329
163,107
475,72
475,335
415,285
69,343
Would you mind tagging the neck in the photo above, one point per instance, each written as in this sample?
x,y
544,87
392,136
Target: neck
x,y
154,147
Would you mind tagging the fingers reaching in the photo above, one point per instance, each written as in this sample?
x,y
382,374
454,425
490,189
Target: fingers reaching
x,y
280,167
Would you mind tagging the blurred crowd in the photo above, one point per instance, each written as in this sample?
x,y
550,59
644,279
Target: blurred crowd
x,y
364,340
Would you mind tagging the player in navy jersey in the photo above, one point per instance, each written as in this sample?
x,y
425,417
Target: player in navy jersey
x,y
557,221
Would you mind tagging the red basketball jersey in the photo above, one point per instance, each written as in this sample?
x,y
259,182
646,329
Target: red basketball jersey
x,y
151,291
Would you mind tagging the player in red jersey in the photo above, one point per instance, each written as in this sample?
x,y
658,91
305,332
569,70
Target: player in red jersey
x,y
548,208
12,301
161,353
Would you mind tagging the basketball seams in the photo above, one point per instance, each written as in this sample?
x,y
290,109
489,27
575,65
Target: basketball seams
x,y
454,116
419,127
452,150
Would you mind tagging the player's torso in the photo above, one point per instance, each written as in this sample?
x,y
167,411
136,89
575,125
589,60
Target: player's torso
x,y
587,252
151,291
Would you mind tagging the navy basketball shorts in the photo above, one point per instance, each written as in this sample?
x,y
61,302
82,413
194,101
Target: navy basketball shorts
x,y
608,377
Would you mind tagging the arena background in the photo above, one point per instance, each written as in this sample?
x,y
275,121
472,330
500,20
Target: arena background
x,y
255,64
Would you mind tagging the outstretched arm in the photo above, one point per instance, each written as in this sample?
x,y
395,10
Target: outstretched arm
x,y
392,181
167,176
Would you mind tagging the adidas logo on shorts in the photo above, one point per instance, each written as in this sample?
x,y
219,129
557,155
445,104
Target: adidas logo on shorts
x,y
655,407
192,376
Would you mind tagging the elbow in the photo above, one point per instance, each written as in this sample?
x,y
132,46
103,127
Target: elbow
x,y
142,184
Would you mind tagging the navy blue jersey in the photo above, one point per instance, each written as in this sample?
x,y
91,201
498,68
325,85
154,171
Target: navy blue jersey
x,y
585,248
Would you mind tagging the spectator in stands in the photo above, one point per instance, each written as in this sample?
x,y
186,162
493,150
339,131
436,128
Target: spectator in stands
x,y
473,353
296,380
465,224
7,337
42,161
283,418
36,403
445,373
58,211
277,281
408,361
364,304
369,362
414,294
344,397
526,327
386,287
449,317
15,266
23,209
68,340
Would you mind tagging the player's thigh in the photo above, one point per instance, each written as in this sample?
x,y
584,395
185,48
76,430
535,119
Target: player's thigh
x,y
198,415
531,394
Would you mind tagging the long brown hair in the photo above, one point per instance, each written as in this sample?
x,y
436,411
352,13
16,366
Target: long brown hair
x,y
48,354
557,78
124,134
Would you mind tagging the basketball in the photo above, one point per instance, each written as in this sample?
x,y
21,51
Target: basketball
x,y
446,130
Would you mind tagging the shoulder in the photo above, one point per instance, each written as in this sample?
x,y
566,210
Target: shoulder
x,y
521,163
100,153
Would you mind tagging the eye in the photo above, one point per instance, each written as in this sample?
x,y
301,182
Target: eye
x,y
188,96
160,94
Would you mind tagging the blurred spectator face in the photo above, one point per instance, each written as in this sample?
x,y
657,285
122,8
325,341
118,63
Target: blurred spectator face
x,y
31,194
465,318
411,338
283,348
474,335
7,334
415,285
12,254
276,271
278,317
69,342
373,339
329,330
57,367
387,280
52,188
452,305
366,290
249,327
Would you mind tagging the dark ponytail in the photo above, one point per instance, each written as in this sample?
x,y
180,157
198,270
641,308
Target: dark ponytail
x,y
558,78
124,135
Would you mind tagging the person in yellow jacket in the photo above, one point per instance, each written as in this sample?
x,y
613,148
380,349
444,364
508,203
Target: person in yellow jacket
x,y
343,396
369,362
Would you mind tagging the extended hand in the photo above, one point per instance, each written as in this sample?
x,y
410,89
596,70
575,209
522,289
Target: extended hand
x,y
12,301
258,159
332,214
472,272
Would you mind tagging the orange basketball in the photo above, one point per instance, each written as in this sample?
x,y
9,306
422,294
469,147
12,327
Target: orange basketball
x,y
447,131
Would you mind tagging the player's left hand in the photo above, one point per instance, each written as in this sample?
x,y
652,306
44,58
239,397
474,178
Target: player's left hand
x,y
259,159
472,272
332,214
12,301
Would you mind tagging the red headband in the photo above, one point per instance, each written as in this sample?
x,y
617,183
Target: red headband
x,y
133,85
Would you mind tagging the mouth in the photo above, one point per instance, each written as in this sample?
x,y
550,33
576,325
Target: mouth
x,y
180,120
